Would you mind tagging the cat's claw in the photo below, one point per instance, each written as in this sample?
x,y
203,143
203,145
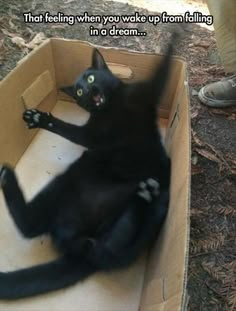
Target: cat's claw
x,y
149,189
35,118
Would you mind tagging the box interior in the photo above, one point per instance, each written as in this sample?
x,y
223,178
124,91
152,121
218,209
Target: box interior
x,y
157,280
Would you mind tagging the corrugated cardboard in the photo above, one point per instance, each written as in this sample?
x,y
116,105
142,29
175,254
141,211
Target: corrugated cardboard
x,y
156,282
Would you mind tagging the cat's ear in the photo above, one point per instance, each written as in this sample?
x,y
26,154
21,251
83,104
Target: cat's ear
x,y
98,61
69,90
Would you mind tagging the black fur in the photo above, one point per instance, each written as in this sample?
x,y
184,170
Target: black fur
x,y
109,205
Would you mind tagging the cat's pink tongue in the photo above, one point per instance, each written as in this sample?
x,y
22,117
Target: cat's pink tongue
x,y
97,98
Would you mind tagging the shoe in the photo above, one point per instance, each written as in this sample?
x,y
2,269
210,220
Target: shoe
x,y
220,94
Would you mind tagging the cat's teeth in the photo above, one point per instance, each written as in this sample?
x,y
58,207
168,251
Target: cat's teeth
x,y
102,100
97,104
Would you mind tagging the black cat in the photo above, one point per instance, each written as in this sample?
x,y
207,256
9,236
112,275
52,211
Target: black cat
x,y
109,205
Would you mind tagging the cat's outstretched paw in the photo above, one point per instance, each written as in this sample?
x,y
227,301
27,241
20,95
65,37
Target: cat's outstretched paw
x,y
148,189
36,119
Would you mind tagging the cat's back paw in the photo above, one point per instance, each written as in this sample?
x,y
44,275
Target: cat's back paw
x,y
35,118
149,189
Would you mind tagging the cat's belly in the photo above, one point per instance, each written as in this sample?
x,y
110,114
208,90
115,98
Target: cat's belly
x,y
101,200
90,211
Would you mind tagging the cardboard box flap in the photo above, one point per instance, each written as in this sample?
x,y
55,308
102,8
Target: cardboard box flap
x,y
11,103
38,90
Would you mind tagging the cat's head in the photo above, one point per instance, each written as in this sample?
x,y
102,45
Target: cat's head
x,y
94,88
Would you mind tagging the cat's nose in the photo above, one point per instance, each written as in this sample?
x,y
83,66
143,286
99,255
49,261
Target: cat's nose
x,y
86,90
94,90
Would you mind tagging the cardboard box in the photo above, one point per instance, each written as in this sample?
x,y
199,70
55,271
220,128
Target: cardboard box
x,y
156,282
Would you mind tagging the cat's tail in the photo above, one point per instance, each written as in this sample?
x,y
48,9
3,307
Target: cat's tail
x,y
43,278
161,75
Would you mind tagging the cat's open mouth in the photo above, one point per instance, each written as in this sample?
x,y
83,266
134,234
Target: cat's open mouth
x,y
99,99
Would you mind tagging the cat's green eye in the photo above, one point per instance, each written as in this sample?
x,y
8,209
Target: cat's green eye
x,y
91,79
79,92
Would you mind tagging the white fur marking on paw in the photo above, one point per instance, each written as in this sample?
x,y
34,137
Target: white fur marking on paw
x,y
153,183
142,185
50,124
148,189
155,186
36,117
145,194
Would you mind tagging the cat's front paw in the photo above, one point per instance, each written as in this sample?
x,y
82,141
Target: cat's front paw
x,y
148,189
36,119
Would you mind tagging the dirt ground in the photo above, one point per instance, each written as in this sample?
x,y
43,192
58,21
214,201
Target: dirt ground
x,y
212,262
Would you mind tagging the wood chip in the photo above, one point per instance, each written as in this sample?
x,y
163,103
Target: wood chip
x,y
20,42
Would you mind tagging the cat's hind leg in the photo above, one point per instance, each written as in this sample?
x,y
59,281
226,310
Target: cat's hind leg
x,y
135,230
29,220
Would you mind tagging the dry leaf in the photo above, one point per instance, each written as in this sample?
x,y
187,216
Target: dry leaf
x,y
194,159
232,117
15,16
2,45
196,169
20,42
58,26
201,43
213,155
227,211
9,34
194,113
207,154
194,92
215,272
38,39
218,111
196,212
12,25
2,49
158,49
197,139
14,7
212,243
